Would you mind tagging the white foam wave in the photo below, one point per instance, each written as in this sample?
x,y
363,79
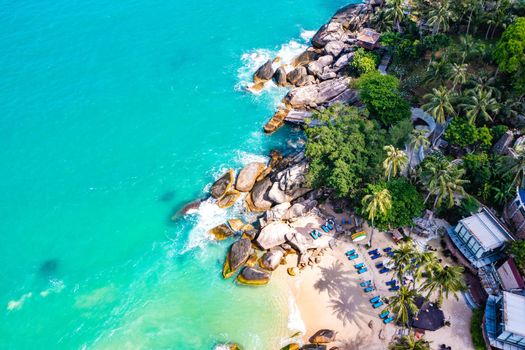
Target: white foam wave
x,y
306,35
17,304
56,287
243,158
295,322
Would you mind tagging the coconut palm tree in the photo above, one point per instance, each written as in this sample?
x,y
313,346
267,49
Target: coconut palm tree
x,y
395,12
458,74
516,166
379,201
403,304
437,71
485,80
409,342
480,103
444,280
440,16
395,162
403,258
424,261
469,47
418,139
439,104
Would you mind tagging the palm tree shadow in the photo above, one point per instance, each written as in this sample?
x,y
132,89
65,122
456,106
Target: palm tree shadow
x,y
347,309
333,279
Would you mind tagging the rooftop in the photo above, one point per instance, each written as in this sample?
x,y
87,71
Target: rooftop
x,y
487,229
510,276
514,313
368,35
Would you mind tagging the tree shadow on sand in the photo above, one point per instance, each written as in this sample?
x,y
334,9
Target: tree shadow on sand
x,y
333,279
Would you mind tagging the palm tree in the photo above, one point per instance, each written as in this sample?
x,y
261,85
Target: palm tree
x,y
395,162
403,258
517,166
480,103
485,80
439,104
437,71
440,16
458,74
379,201
395,12
403,304
475,7
409,342
444,280
424,261
418,139
469,47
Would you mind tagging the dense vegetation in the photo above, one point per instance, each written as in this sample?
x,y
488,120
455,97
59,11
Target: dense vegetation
x,y
476,332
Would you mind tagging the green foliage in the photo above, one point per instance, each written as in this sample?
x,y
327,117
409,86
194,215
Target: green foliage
x,y
346,150
364,61
407,204
470,205
510,53
399,133
476,322
517,250
497,132
382,98
464,134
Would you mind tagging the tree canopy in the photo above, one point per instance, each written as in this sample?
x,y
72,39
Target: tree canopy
x,y
510,53
364,61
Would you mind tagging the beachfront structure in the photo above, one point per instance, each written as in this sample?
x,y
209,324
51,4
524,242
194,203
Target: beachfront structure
x,y
514,213
368,38
480,238
505,321
509,276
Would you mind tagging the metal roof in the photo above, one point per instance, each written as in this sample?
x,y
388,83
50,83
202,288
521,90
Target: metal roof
x,y
514,313
487,230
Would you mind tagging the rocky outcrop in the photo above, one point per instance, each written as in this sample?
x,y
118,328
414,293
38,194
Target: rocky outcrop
x,y
236,224
264,73
323,336
293,346
253,276
317,95
343,61
239,253
306,57
277,212
221,232
272,259
222,185
302,242
279,77
297,75
258,199
334,48
289,184
248,175
272,235
228,199
314,347
316,67
299,209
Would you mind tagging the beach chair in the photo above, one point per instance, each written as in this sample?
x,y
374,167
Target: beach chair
x,y
384,314
365,283
388,320
377,256
391,253
314,235
393,288
328,226
375,299
387,249
368,289
384,270
350,252
391,283
325,229
360,265
342,221
378,304
380,265
353,256
363,270
372,252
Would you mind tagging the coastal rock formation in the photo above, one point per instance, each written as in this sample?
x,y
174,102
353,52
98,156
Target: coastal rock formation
x,y
188,208
236,225
306,57
221,232
239,253
316,95
323,336
299,209
253,276
264,73
314,347
289,184
316,67
248,175
332,31
279,77
272,259
228,199
277,212
302,242
297,75
258,199
343,61
272,235
222,185
334,48
293,346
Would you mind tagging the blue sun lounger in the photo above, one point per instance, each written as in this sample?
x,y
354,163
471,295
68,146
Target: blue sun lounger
x,y
391,283
393,288
365,283
384,314
375,299
360,265
380,265
315,234
391,253
377,256
325,229
388,320
373,252
363,270
368,289
350,252
378,304
353,256
384,270
388,249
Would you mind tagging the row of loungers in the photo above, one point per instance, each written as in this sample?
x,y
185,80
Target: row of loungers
x,y
327,227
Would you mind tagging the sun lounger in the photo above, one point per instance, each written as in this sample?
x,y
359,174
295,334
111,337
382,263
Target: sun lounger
x,y
378,304
365,283
350,252
373,252
384,314
375,299
388,249
393,288
391,253
384,270
328,226
388,320
353,256
390,283
363,270
368,289
360,265
380,265
314,235
377,256
325,229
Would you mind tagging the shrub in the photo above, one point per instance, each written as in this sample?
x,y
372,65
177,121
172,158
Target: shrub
x,y
476,322
364,61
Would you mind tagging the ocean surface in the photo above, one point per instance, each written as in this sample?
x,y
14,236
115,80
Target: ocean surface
x,y
113,115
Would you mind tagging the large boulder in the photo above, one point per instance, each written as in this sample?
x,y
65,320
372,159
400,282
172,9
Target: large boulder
x,y
306,57
316,67
332,31
289,184
239,253
323,336
221,232
264,73
222,185
253,276
272,259
228,199
315,95
248,175
343,61
302,242
272,235
258,199
277,212
313,347
334,48
279,77
299,209
296,75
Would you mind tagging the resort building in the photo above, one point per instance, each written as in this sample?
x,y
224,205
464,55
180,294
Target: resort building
x,y
480,238
505,321
509,276
368,38
514,213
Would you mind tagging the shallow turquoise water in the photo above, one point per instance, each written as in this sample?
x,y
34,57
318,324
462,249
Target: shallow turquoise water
x,y
105,108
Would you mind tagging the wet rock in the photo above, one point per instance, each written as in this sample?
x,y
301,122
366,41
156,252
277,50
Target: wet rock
x,y
272,259
228,199
253,276
272,235
167,196
299,209
239,253
334,48
264,73
248,175
313,347
322,336
48,267
277,212
296,75
306,57
221,232
259,196
343,61
293,346
315,95
280,77
236,224
189,208
292,271
222,185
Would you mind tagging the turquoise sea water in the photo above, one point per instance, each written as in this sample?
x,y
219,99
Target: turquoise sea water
x,y
112,116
